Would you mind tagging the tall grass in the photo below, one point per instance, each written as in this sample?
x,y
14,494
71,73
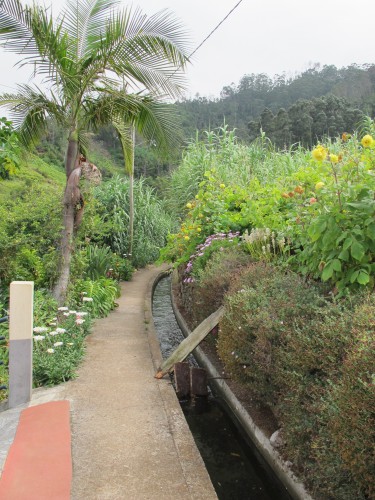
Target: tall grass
x,y
232,162
151,221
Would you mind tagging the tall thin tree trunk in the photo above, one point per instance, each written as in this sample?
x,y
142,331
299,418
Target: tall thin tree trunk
x,y
131,195
67,234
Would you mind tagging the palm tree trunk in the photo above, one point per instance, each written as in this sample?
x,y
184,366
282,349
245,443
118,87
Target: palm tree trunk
x,y
131,196
67,234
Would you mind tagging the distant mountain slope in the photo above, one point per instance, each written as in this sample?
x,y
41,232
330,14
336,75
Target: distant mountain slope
x,y
241,104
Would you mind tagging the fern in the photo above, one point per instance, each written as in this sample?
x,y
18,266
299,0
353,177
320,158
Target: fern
x,y
103,292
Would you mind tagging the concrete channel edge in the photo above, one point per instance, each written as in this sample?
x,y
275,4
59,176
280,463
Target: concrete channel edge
x,y
195,472
294,487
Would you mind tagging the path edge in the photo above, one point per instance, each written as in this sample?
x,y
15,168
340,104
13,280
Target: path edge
x,y
197,478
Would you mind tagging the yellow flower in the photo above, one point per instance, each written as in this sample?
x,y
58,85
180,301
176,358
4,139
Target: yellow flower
x,y
319,185
222,186
186,238
333,158
199,229
319,153
367,141
189,205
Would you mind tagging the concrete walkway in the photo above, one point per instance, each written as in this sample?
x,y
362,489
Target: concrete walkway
x,y
130,439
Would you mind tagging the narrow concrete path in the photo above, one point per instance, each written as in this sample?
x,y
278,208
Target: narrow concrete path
x,y
129,437
130,440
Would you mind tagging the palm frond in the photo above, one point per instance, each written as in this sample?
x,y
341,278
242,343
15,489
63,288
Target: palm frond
x,y
15,27
30,110
31,32
148,52
83,20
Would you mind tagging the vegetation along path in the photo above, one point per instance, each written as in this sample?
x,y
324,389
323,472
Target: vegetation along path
x,y
129,436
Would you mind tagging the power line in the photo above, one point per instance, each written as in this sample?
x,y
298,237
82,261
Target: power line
x,y
216,27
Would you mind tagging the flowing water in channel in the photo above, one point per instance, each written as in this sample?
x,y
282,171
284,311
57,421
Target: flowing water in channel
x,y
235,471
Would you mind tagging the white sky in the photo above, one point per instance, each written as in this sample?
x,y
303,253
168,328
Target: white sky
x,y
272,37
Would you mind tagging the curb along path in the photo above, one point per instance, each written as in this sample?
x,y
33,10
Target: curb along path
x,y
129,437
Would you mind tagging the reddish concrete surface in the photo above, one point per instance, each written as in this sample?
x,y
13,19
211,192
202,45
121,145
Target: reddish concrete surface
x,y
39,463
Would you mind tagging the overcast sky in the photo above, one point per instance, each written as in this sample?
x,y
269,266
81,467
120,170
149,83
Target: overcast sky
x,y
272,37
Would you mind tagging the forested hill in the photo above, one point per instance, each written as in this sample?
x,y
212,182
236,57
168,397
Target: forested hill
x,y
287,104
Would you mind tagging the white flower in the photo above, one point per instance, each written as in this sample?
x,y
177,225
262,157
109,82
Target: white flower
x,y
87,299
70,343
82,313
58,344
53,333
60,330
53,324
79,321
40,329
63,308
50,351
66,314
39,337
72,312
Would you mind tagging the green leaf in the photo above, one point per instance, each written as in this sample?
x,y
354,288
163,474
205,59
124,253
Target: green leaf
x,y
317,229
354,276
370,232
363,277
344,255
327,271
347,243
336,264
357,251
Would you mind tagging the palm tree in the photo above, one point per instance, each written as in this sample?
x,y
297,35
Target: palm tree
x,y
80,56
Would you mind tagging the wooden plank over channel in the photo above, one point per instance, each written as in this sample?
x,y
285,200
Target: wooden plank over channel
x,y
190,343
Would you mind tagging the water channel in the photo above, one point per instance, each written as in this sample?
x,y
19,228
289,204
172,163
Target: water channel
x,y
235,470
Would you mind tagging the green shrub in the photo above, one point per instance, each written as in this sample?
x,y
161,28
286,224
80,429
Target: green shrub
x,y
99,261
99,295
122,269
28,266
59,346
352,402
261,309
307,363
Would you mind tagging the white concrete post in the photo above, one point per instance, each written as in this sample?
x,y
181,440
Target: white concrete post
x,y
20,342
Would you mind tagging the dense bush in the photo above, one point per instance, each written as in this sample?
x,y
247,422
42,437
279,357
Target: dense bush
x,y
29,230
351,403
311,361
263,306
